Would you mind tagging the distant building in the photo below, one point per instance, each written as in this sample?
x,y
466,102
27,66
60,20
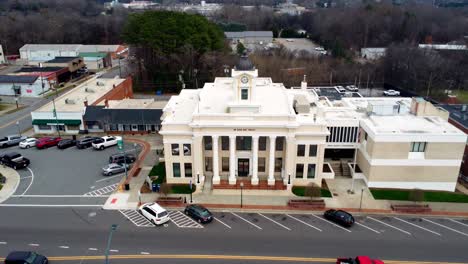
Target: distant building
x,y
96,61
373,53
26,86
250,37
73,64
139,5
52,75
442,47
290,9
2,56
203,8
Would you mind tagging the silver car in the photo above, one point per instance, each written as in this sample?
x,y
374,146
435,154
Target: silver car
x,y
114,168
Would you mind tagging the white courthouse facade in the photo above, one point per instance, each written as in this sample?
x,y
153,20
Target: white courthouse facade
x,y
245,128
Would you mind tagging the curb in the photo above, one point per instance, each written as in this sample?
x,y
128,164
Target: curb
x,y
10,177
146,147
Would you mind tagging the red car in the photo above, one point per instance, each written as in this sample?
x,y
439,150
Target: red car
x,y
358,260
47,142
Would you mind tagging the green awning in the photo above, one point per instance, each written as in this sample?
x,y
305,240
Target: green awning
x,y
53,121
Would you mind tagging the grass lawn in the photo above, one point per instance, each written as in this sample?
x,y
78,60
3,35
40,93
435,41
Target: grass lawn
x,y
3,107
300,190
429,196
462,96
182,188
159,170
1,186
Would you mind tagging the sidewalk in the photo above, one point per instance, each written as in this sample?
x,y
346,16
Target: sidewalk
x,y
12,182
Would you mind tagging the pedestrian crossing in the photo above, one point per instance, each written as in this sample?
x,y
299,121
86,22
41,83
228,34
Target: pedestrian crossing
x,y
183,221
103,190
136,218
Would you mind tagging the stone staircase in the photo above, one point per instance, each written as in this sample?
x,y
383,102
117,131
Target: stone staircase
x,y
262,185
345,168
207,186
336,166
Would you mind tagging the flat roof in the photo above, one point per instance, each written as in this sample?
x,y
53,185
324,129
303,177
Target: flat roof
x,y
41,69
129,103
73,100
62,47
17,79
99,48
458,113
93,54
62,59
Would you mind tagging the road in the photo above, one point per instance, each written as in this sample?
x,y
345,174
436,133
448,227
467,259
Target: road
x,y
82,234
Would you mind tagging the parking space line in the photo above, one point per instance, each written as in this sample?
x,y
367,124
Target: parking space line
x,y
32,180
246,220
305,223
446,227
325,220
373,230
114,250
33,245
394,227
183,221
64,247
92,249
283,226
3,243
107,178
417,226
136,218
222,222
455,221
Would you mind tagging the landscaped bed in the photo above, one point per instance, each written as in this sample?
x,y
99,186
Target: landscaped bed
x,y
429,196
300,191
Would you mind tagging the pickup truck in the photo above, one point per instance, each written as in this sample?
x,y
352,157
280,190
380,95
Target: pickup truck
x,y
359,260
11,141
106,141
14,160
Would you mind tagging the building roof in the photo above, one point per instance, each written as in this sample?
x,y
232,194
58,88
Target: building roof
x,y
249,34
443,47
244,64
123,116
458,113
62,59
99,48
90,91
62,47
17,79
129,103
40,69
92,54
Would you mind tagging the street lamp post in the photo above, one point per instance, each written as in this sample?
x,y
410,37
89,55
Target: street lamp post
x,y
360,203
54,111
16,101
191,191
198,177
109,240
241,187
19,130
289,178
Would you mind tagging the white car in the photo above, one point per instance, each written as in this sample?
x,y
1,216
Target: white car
x,y
27,143
106,141
289,40
155,213
340,89
391,93
319,49
352,88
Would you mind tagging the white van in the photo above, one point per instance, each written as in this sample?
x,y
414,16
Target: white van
x,y
155,213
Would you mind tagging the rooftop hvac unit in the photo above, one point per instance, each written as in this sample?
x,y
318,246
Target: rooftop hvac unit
x,y
69,101
99,83
89,90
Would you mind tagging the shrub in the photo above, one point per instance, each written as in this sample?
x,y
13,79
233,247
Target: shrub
x,y
160,171
312,191
182,188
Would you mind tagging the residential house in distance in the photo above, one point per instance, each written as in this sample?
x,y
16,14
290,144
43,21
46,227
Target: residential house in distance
x,y
26,86
442,47
96,61
2,56
290,8
373,53
65,113
250,37
73,64
248,129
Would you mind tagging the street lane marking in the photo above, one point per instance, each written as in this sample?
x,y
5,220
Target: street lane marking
x,y
463,224
114,250
144,253
3,243
107,178
325,220
417,226
373,230
92,249
32,180
222,222
246,220
305,223
446,227
33,245
65,247
394,227
57,196
285,227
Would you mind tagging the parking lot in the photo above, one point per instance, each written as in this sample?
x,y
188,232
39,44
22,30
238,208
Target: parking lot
x,y
65,176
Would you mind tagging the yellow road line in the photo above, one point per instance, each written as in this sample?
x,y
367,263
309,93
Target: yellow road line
x,y
229,257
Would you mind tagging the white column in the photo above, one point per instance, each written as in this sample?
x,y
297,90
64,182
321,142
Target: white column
x,y
216,178
232,159
255,160
271,169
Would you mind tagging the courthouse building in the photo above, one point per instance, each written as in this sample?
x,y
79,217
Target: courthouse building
x,y
248,129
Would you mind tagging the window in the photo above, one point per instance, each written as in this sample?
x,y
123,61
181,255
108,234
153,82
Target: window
x,y
224,143
418,147
188,170
187,149
70,127
141,128
244,143
44,127
175,149
244,94
300,150
312,150
365,136
127,127
208,142
310,171
225,164
262,143
208,164
113,127
149,211
279,143
278,164
176,169
261,164
299,170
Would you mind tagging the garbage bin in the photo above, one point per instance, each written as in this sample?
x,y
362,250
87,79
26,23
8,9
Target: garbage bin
x,y
127,186
158,187
154,187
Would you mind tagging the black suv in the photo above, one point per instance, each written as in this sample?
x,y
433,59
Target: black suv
x,y
85,142
199,213
340,217
25,257
66,143
14,160
119,158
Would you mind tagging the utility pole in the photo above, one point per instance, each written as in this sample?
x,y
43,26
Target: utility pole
x,y
109,240
54,112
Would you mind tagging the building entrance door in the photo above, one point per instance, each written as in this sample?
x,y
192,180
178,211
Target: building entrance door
x,y
243,167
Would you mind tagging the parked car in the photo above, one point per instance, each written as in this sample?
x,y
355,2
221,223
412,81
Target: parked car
x,y
198,213
391,93
154,212
9,141
319,49
340,89
47,142
340,217
122,158
14,160
114,168
358,260
66,143
352,88
85,142
106,141
27,143
25,257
